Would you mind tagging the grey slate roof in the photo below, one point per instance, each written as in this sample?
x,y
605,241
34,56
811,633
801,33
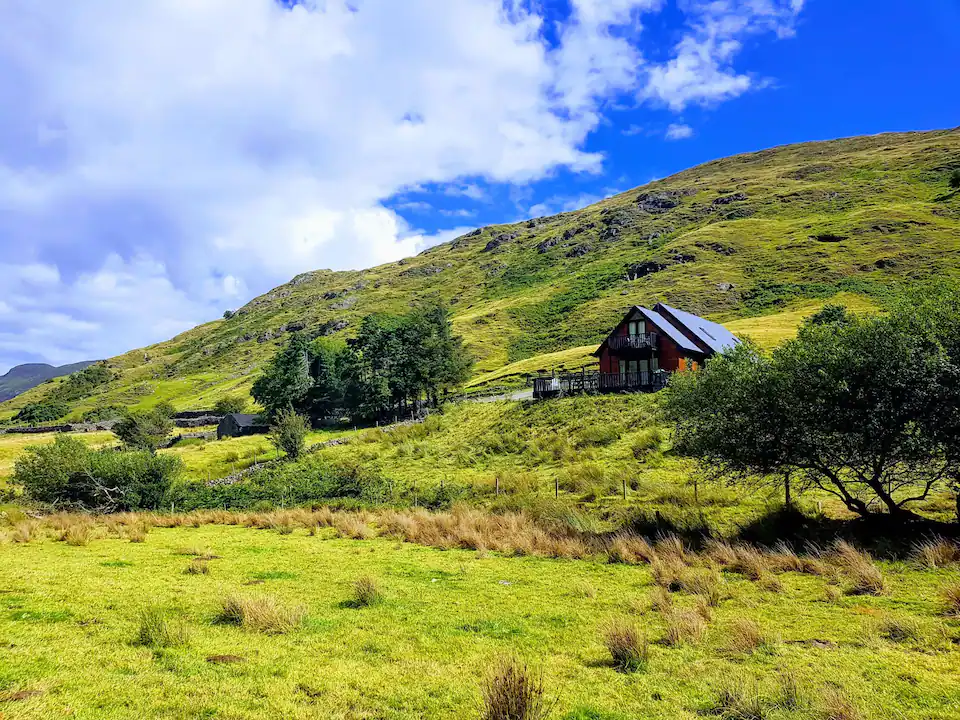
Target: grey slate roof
x,y
245,420
668,329
715,336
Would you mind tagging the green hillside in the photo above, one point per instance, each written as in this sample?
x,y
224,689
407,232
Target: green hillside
x,y
750,240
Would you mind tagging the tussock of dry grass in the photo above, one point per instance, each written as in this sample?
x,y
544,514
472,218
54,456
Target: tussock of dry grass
x,y
865,577
835,705
627,645
513,692
199,566
705,583
744,636
78,534
366,592
260,614
739,700
950,596
899,629
936,553
661,600
156,630
684,627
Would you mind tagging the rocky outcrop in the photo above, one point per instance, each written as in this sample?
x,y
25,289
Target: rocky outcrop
x,y
499,240
424,271
662,201
640,270
728,199
578,250
547,244
718,248
828,238
332,326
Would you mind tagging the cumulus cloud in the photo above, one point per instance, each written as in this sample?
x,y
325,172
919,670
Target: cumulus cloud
x,y
160,161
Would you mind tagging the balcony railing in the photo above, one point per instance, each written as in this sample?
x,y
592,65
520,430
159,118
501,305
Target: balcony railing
x,y
546,386
632,342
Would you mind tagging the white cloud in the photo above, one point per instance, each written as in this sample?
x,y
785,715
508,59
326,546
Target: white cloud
x,y
175,156
701,70
679,131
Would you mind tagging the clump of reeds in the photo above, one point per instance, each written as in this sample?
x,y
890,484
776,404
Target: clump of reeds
x,y
198,566
684,627
936,553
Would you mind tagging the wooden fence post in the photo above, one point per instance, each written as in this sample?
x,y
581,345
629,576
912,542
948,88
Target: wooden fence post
x,y
624,480
556,486
498,485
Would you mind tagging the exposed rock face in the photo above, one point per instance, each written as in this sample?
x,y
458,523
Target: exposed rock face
x,y
677,257
716,247
828,238
333,294
547,244
345,304
423,271
639,270
304,278
332,326
728,199
725,287
499,240
578,251
661,201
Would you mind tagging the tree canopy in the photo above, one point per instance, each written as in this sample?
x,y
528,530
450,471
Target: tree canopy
x,y
865,408
395,362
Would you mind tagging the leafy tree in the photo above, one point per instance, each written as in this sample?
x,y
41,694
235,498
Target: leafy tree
x,y
230,404
955,180
866,409
289,433
144,430
81,384
227,314
41,412
68,473
286,379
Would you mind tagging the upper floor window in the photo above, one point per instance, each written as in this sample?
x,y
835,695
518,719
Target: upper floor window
x,y
638,327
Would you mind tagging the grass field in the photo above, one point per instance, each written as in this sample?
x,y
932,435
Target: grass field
x,y
70,621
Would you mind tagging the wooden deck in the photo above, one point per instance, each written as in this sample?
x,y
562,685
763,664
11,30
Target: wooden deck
x,y
546,386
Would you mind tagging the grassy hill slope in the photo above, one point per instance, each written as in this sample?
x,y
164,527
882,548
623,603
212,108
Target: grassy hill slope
x,y
751,240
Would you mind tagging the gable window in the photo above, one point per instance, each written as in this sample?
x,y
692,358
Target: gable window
x,y
637,327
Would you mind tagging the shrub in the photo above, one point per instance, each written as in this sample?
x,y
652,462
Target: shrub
x,y
366,592
260,614
157,631
513,692
627,646
41,412
954,180
684,626
289,433
230,404
144,430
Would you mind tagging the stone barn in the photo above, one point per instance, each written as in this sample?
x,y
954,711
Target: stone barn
x,y
239,424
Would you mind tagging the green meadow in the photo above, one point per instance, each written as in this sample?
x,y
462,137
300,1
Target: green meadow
x,y
72,633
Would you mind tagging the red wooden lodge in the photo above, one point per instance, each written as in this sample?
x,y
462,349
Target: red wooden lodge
x,y
641,353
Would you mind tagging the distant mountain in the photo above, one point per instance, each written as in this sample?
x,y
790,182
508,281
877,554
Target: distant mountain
x,y
23,377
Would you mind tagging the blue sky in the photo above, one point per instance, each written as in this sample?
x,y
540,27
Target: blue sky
x,y
161,162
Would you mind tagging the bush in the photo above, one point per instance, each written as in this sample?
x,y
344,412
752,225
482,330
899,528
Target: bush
x,y
99,414
513,692
144,430
66,472
41,412
230,404
955,180
627,645
289,433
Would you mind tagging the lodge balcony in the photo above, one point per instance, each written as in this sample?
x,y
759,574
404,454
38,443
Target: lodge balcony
x,y
632,342
547,386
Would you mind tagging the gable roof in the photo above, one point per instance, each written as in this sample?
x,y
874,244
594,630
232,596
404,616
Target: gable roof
x,y
714,336
662,323
245,420
668,329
